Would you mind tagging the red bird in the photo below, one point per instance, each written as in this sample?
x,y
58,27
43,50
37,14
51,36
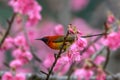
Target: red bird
x,y
56,42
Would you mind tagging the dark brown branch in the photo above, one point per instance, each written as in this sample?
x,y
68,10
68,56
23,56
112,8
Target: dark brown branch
x,y
57,57
100,34
71,69
10,22
107,58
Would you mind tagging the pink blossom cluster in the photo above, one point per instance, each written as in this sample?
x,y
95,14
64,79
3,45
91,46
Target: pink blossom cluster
x,y
88,70
112,40
20,51
75,48
31,8
11,76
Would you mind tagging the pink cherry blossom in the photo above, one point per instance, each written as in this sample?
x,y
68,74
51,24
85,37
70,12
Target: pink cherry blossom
x,y
62,65
7,76
81,42
16,64
112,40
27,7
83,73
20,76
8,43
88,53
20,41
77,5
59,29
16,53
101,75
10,76
48,61
99,59
110,18
24,56
74,56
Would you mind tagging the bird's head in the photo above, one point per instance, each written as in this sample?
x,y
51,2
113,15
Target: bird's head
x,y
44,39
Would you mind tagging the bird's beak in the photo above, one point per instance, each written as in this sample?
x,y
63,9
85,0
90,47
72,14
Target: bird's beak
x,y
38,39
43,39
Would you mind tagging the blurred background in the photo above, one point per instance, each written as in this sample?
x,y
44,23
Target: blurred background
x,y
88,15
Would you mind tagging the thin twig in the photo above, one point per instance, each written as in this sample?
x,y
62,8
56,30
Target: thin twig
x,y
71,69
10,22
57,56
100,34
31,49
107,58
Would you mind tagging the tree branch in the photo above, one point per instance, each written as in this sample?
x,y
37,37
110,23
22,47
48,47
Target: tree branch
x,y
10,22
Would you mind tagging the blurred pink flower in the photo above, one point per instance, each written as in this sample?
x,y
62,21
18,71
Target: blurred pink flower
x,y
62,65
75,48
81,42
16,64
77,5
112,40
20,76
74,56
20,41
48,61
88,53
8,43
83,73
27,7
7,76
101,75
99,59
110,18
24,56
91,50
59,29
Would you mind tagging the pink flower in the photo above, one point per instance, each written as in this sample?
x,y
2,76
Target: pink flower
x,y
75,48
7,76
24,56
16,64
74,56
59,29
48,61
110,18
32,21
77,5
8,43
112,40
99,59
88,53
83,73
20,41
16,53
81,42
62,65
101,75
27,7
20,76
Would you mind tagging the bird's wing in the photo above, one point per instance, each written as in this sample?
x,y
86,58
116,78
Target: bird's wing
x,y
69,39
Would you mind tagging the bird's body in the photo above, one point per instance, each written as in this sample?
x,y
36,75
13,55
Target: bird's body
x,y
56,42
